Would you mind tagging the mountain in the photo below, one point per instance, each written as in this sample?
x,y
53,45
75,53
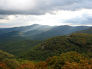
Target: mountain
x,y
89,30
37,32
59,31
22,32
55,46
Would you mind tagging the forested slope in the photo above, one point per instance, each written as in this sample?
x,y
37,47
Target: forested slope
x,y
78,42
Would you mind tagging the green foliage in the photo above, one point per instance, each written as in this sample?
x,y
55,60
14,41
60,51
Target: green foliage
x,y
18,47
8,61
56,62
5,55
78,42
72,57
68,60
11,63
62,52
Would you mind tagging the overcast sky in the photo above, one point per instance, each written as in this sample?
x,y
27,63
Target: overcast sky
x,y
46,12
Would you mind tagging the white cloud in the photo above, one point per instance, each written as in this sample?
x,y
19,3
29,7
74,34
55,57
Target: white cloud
x,y
80,17
15,5
36,7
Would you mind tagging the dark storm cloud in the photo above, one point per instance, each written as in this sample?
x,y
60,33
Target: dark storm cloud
x,y
41,6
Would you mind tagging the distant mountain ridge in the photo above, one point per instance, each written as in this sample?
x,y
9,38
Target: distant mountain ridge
x,y
89,31
38,32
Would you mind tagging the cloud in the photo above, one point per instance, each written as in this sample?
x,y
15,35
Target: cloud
x,y
7,18
83,20
78,17
37,7
3,17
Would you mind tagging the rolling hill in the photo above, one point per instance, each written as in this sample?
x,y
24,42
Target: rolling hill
x,y
55,46
18,47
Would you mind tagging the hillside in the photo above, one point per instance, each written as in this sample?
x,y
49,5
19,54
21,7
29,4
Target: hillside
x,y
74,51
18,47
68,60
81,43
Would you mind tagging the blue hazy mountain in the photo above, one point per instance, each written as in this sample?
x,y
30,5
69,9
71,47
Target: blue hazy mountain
x,y
89,31
59,30
36,31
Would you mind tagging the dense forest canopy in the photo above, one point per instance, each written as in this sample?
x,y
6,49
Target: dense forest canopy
x,y
61,52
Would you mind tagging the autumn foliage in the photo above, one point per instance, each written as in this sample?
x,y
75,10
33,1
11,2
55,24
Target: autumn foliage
x,y
68,60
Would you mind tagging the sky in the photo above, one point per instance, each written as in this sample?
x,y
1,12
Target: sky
x,y
15,13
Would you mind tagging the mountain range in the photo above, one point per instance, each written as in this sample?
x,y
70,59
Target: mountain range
x,y
38,32
89,31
